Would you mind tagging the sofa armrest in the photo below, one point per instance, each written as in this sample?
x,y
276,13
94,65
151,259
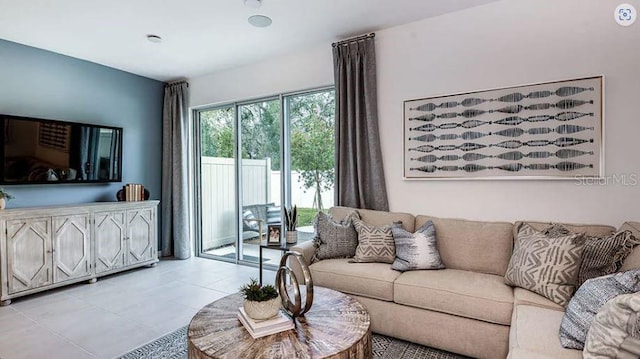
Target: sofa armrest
x,y
308,250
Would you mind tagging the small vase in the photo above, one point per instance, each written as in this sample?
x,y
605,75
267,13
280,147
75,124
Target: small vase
x,y
262,310
292,237
3,203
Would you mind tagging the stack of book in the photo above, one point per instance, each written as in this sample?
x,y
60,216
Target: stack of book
x,y
261,328
133,192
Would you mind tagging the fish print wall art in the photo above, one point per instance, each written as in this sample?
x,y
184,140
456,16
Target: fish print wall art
x,y
545,130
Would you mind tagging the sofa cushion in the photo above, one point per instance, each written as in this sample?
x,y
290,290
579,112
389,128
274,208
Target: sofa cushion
x,y
376,218
587,302
518,353
547,266
633,260
615,331
476,246
416,250
375,244
535,329
467,294
373,280
335,239
526,297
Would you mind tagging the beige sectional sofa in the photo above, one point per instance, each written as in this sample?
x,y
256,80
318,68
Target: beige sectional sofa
x,y
465,308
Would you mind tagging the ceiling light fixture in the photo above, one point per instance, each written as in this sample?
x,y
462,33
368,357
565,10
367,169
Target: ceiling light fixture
x,y
254,4
154,38
260,20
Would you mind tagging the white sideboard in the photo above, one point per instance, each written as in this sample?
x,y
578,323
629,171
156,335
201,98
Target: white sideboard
x,y
48,247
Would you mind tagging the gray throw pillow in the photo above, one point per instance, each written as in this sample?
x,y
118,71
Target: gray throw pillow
x,y
375,244
335,239
545,265
416,250
589,298
604,256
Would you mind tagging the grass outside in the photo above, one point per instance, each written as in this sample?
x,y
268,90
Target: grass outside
x,y
306,216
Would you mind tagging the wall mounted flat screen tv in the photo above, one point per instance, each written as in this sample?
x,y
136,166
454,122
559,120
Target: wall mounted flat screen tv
x,y
40,151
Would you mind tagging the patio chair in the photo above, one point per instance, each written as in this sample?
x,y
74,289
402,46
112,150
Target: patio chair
x,y
256,219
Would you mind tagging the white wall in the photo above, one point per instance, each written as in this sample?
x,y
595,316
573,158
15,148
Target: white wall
x,y
501,44
303,70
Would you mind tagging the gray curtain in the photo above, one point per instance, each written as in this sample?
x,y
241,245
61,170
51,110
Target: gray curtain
x,y
175,185
360,179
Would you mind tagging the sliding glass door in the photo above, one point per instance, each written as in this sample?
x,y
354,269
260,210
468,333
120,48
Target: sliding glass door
x,y
260,174
255,157
217,182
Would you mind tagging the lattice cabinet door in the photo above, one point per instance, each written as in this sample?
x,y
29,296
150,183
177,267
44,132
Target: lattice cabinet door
x,y
141,235
110,245
71,247
29,253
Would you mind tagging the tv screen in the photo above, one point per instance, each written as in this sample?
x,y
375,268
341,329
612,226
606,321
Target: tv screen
x,y
46,151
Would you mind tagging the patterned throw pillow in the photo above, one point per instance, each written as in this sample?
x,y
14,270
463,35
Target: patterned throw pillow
x,y
556,230
615,331
416,250
604,256
375,244
333,239
588,300
547,266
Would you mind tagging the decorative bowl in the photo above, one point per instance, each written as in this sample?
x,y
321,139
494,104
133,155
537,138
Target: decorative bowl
x,y
262,310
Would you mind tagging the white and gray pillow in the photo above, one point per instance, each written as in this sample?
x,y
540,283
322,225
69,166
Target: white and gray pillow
x,y
335,239
589,298
615,330
375,244
416,250
545,265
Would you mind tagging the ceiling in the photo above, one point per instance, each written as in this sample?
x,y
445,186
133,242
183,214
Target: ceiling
x,y
199,36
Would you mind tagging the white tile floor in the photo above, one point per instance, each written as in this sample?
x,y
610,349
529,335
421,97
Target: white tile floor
x,y
119,312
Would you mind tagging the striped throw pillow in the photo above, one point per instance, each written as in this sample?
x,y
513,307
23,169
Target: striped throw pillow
x,y
604,256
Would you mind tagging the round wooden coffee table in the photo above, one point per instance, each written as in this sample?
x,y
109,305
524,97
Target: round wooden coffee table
x,y
337,326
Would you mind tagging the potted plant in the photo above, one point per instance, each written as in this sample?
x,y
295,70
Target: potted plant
x,y
291,222
4,196
260,301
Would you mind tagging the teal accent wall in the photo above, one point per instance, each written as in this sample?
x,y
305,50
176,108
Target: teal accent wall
x,y
43,84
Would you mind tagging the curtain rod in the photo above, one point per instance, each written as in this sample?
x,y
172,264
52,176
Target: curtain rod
x,y
354,39
176,83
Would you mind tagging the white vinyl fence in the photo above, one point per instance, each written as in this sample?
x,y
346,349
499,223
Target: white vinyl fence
x,y
218,196
260,186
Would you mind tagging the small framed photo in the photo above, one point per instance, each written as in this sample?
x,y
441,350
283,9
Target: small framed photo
x,y
273,234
